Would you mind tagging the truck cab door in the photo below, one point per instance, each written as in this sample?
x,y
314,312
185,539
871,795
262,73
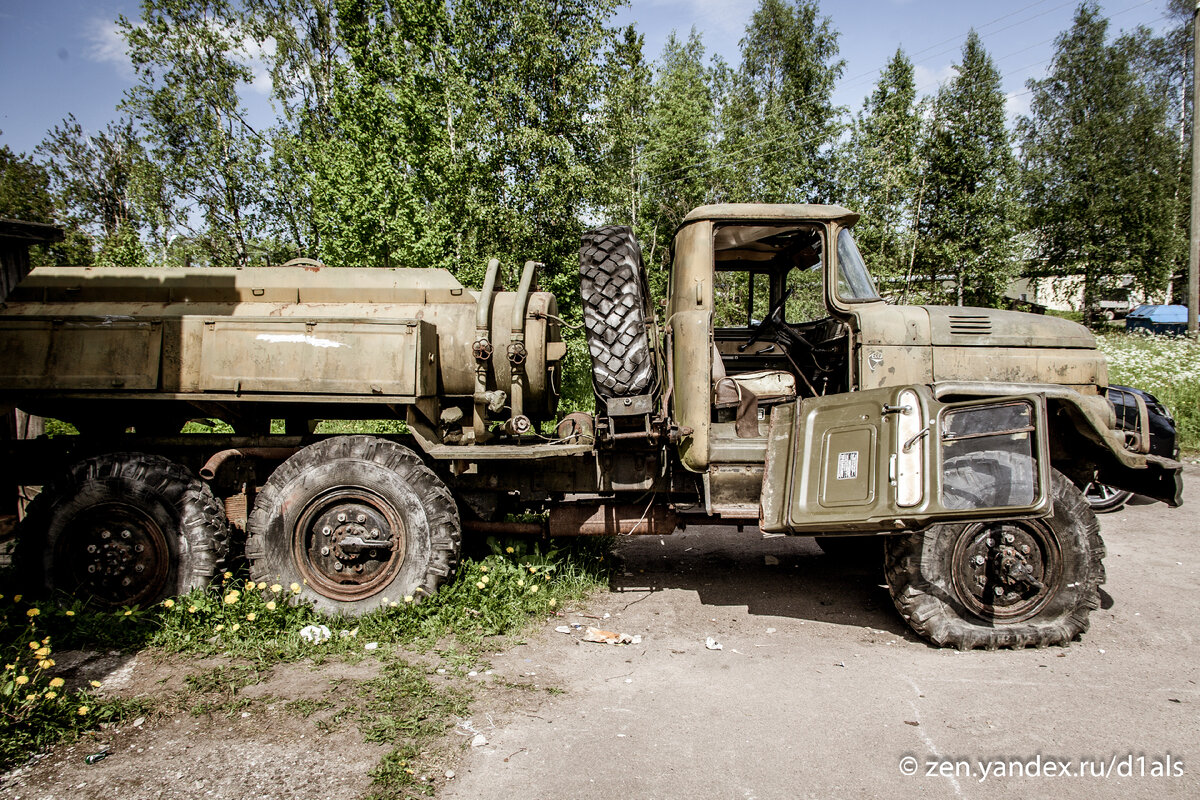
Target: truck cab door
x,y
896,459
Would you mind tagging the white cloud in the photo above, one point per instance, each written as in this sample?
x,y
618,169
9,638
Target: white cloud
x,y
1016,104
929,80
107,46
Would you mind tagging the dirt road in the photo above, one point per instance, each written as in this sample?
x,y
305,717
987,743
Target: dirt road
x,y
819,691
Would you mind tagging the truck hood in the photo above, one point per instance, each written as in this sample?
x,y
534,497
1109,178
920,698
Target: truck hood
x,y
959,326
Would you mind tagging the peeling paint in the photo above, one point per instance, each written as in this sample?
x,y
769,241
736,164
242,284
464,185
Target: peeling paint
x,y
299,338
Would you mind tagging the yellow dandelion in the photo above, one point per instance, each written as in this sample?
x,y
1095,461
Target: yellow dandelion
x,y
42,652
236,627
552,602
295,587
55,683
33,612
169,603
46,663
485,578
95,684
408,598
10,666
262,585
34,645
393,604
479,584
29,698
192,609
276,588
509,550
219,627
83,710
22,680
46,640
51,695
520,583
483,569
251,616
70,613
228,575
17,598
231,598
533,569
533,589
270,605
128,611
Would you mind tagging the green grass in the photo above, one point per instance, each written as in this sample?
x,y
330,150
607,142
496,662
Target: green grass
x,y
1167,367
256,626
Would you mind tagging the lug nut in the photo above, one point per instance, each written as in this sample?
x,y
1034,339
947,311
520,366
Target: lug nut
x,y
137,548
127,581
337,565
374,532
1025,549
139,568
125,534
978,561
358,567
341,517
360,518
324,551
326,530
998,591
1008,537
92,548
91,567
373,553
991,542
105,534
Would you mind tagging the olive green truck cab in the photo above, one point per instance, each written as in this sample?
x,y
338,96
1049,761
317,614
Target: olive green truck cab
x,y
773,388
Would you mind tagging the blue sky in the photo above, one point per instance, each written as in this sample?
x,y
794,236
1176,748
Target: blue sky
x,y
64,56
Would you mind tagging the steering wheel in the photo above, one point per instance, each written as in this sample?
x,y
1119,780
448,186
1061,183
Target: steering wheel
x,y
772,322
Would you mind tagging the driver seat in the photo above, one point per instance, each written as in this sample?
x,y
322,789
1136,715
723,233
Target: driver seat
x,y
747,391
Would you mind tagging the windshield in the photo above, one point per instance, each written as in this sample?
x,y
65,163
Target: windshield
x,y
853,280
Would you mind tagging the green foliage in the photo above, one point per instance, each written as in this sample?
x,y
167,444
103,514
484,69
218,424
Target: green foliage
x,y
681,125
778,121
191,58
969,203
1100,166
37,707
882,167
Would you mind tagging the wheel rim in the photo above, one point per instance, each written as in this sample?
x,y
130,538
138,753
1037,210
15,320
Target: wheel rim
x,y
348,543
1006,572
116,553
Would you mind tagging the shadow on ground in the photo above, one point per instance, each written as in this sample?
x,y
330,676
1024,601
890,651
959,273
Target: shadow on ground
x,y
784,576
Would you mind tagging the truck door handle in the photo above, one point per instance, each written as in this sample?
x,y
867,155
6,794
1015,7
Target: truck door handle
x,y
895,409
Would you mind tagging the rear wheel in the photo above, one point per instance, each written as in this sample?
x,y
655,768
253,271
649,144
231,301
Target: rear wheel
x,y
615,312
1011,583
124,529
354,521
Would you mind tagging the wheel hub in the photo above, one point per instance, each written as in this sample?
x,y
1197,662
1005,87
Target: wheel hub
x,y
115,553
1007,571
348,543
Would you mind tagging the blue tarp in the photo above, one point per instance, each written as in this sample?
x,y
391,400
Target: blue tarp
x,y
1158,319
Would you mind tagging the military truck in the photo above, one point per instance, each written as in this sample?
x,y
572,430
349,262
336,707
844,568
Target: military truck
x,y
774,389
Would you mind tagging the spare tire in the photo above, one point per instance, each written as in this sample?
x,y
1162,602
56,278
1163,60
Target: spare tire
x,y
615,312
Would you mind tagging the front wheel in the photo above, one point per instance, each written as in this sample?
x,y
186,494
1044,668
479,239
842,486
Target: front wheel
x,y
1104,498
354,521
1009,583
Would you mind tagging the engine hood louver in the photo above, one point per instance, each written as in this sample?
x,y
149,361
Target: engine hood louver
x,y
970,325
